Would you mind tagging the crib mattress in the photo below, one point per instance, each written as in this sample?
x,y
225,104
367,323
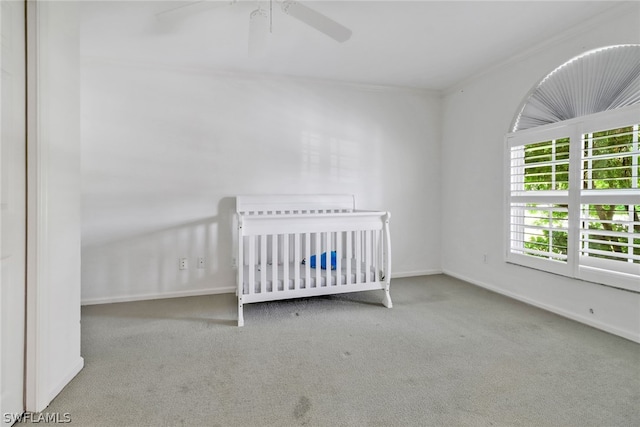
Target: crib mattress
x,y
333,275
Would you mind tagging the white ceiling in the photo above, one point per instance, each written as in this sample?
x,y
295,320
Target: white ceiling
x,y
425,44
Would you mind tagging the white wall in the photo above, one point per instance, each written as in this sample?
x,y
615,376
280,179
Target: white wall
x,y
53,294
477,115
164,151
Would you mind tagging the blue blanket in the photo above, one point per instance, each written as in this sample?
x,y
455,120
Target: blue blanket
x,y
323,260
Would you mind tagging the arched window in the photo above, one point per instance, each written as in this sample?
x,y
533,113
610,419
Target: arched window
x,y
573,166
599,80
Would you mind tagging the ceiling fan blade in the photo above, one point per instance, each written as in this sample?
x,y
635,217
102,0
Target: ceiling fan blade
x,y
316,20
258,33
190,8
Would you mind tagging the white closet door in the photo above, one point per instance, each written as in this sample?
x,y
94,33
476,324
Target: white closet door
x,y
12,209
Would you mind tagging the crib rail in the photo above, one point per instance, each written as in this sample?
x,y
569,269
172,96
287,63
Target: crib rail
x,y
275,251
311,222
294,204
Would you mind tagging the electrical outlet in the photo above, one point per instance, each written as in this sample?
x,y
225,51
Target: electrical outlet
x,y
183,264
201,262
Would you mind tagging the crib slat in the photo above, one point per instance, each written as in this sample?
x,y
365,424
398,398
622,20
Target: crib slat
x,y
263,263
338,258
367,256
307,255
332,248
285,262
297,250
326,239
358,254
252,264
348,256
318,253
376,254
274,263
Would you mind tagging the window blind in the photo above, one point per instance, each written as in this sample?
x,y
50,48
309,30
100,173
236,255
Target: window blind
x,y
599,80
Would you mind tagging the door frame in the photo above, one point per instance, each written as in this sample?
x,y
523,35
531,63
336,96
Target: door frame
x,y
16,30
53,163
35,369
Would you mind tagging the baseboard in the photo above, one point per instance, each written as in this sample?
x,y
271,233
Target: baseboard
x,y
143,297
402,274
65,380
553,309
214,291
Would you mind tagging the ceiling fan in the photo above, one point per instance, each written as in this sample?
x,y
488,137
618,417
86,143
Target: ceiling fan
x,y
261,20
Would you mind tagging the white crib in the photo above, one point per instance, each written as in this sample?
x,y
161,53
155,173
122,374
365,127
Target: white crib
x,y
279,234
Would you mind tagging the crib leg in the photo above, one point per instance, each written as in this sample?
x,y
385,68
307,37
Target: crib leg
x,y
240,313
386,299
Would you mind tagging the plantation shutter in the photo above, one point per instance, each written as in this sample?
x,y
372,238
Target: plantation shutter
x,y
610,200
539,199
573,198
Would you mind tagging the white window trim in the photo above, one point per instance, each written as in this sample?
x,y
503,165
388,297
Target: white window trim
x,y
574,129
